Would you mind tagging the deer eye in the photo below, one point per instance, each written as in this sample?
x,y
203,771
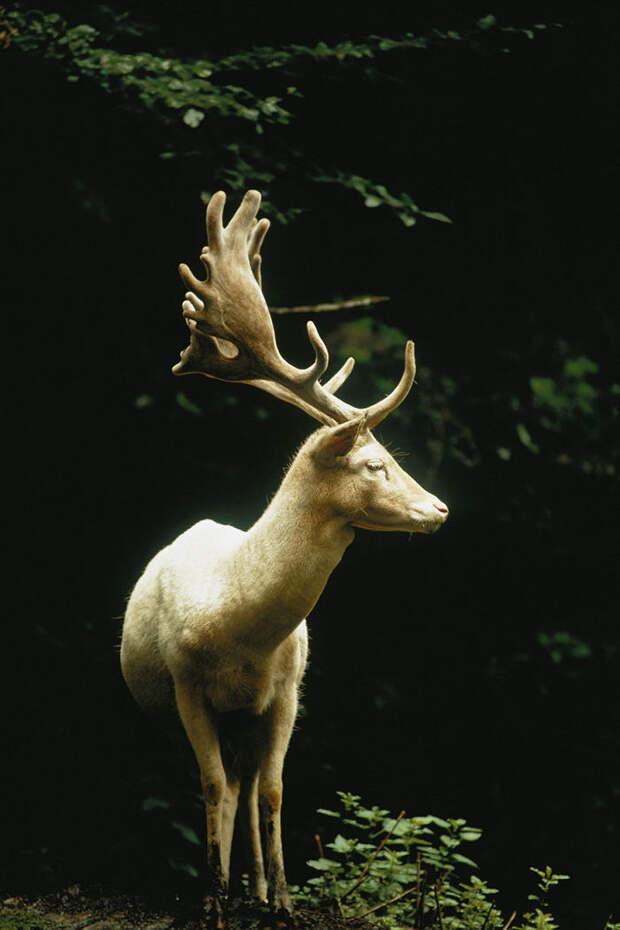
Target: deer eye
x,y
375,465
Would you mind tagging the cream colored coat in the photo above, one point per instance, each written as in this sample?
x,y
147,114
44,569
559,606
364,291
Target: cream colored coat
x,y
215,632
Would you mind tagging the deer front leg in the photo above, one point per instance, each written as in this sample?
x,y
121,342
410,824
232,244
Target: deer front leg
x,y
201,730
282,717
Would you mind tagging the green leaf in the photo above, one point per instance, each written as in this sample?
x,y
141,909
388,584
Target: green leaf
x,y
322,864
526,439
186,832
340,844
458,857
432,215
186,867
193,117
436,820
186,404
153,804
580,367
545,390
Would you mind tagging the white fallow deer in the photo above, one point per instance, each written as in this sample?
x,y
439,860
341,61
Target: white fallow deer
x,y
215,628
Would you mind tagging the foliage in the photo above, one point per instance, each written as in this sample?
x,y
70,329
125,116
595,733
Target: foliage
x,y
213,108
540,918
409,872
21,918
568,417
378,351
561,646
570,414
404,871
376,195
170,818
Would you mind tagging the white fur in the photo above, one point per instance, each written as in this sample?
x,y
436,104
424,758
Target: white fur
x,y
215,631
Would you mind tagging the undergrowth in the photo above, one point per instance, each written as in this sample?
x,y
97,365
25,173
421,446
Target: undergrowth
x,y
413,872
403,873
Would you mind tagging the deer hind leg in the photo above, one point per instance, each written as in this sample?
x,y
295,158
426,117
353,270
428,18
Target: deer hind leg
x,y
249,824
201,729
281,715
229,812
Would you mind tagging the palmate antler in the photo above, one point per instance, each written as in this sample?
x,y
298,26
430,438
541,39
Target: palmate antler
x,y
232,335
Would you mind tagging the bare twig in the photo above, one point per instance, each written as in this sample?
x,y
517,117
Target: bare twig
x,y
510,920
486,919
373,857
319,846
418,863
336,895
437,886
385,903
335,305
420,913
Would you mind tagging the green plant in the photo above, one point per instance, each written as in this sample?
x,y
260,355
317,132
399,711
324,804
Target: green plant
x,y
232,111
178,840
21,918
436,415
562,646
410,872
540,918
569,414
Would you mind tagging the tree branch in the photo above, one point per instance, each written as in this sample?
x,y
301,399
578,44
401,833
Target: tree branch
x,y
336,305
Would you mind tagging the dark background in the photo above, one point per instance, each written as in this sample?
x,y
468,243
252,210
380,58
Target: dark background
x,y
429,687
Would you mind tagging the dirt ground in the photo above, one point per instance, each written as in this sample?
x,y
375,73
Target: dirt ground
x,y
78,909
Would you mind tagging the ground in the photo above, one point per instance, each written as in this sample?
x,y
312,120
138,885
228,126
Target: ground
x,y
76,909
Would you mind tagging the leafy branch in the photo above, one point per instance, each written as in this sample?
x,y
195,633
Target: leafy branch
x,y
196,95
410,872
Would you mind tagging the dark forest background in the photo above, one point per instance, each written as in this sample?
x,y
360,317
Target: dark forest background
x,y
472,674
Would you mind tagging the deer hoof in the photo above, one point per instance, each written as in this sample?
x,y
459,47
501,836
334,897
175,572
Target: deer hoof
x,y
214,916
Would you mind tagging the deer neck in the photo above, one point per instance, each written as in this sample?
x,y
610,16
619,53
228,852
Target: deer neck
x,y
285,560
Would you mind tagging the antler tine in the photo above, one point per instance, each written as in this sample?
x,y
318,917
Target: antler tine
x,y
321,358
337,380
189,278
255,241
323,394
379,411
243,221
256,236
214,220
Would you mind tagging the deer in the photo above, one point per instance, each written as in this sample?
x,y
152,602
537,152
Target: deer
x,y
215,633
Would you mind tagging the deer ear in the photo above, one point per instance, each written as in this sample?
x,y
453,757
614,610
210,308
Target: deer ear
x,y
337,441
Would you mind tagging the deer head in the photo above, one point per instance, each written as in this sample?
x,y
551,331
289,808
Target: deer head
x,y
365,485
233,339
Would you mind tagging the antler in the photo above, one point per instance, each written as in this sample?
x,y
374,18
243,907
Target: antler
x,y
232,335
